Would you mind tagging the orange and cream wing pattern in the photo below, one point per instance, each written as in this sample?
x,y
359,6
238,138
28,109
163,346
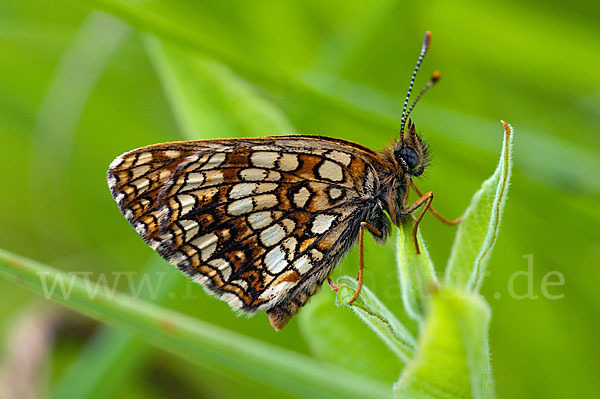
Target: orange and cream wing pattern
x,y
258,222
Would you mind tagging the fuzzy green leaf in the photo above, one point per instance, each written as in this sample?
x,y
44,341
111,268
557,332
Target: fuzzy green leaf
x,y
452,360
203,343
415,271
337,336
377,316
477,232
335,333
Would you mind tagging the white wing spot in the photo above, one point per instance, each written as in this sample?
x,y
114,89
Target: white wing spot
x,y
273,176
263,148
288,162
144,158
316,254
341,157
290,245
214,161
266,187
253,174
242,190
139,171
213,178
206,244
272,235
301,197
331,171
186,202
164,174
258,220
322,223
127,161
242,283
335,193
275,260
289,225
303,264
194,178
223,266
141,184
264,159
206,194
190,229
266,201
173,153
240,207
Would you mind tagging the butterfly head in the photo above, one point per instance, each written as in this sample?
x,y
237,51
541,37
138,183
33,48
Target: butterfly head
x,y
411,152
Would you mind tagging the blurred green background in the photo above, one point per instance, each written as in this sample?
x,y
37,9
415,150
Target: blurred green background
x,y
80,83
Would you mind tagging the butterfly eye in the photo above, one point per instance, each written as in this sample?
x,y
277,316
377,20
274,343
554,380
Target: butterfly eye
x,y
410,157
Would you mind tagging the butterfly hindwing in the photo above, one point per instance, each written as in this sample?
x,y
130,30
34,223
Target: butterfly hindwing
x,y
258,222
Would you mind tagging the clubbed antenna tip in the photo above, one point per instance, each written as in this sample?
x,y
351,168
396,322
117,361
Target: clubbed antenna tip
x,y
434,79
427,40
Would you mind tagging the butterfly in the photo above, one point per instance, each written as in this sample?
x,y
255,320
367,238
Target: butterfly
x,y
262,222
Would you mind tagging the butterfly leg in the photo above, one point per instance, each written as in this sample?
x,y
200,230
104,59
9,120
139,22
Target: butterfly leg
x,y
333,285
405,201
361,261
425,201
432,209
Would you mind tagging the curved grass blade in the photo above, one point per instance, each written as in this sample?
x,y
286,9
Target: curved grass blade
x,y
209,100
203,343
377,316
93,373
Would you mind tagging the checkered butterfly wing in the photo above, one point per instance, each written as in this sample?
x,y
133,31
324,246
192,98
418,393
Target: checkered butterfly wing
x,y
258,222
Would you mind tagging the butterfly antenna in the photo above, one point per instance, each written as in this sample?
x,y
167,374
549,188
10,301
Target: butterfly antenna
x,y
434,78
424,49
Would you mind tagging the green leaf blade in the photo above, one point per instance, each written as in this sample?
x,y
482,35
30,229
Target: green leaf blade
x,y
453,356
93,373
415,271
209,100
192,339
479,228
377,316
335,335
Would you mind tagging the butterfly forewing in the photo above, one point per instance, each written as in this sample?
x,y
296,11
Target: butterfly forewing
x,y
259,222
